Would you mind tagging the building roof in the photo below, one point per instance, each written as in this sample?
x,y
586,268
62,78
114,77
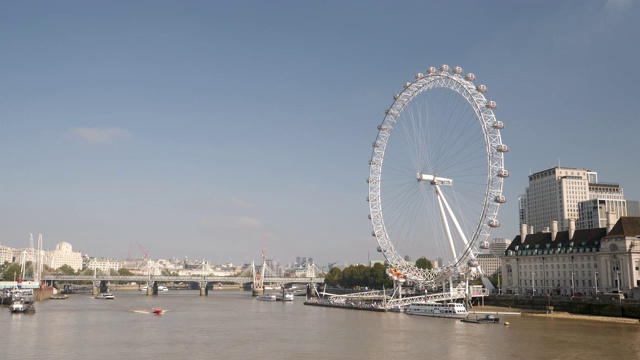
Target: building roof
x,y
626,226
539,242
586,239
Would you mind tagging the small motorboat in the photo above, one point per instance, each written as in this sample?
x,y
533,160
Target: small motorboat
x,y
488,319
20,306
285,297
267,297
105,296
157,311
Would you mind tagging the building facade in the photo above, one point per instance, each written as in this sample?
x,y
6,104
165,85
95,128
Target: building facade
x,y
575,262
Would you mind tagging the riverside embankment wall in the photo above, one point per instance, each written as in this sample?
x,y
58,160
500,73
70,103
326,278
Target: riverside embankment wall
x,y
601,305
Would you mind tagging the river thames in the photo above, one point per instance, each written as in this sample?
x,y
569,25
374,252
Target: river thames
x,y
233,325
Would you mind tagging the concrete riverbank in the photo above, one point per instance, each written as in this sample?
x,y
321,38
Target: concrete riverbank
x,y
552,314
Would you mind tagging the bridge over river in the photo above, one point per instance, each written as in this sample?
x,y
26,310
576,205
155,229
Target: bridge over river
x,y
100,281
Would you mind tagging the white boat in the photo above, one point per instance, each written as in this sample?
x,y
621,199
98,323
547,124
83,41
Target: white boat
x,y
105,296
286,297
160,288
434,309
20,306
267,297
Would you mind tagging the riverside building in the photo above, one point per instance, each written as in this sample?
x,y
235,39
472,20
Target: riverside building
x,y
575,262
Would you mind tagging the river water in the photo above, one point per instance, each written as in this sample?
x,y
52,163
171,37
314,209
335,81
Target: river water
x,y
233,325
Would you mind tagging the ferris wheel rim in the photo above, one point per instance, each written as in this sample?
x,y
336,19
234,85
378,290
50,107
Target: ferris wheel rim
x,y
483,109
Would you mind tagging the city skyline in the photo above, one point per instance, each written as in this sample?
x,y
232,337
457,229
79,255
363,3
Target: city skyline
x,y
217,130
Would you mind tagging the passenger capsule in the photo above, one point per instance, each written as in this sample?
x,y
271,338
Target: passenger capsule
x,y
500,199
502,148
379,249
503,173
457,70
419,76
473,263
444,67
491,105
369,216
406,85
481,88
396,96
484,245
367,199
498,125
494,223
382,127
373,233
470,77
432,70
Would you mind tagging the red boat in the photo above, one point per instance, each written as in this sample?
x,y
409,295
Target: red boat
x,y
156,310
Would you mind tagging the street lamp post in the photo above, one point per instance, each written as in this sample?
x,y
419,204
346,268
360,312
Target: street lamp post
x,y
618,280
596,277
533,283
572,285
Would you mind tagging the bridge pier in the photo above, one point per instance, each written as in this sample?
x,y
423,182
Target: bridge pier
x,y
257,291
203,289
152,288
95,289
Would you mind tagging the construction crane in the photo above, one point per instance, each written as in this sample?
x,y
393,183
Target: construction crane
x,y
146,254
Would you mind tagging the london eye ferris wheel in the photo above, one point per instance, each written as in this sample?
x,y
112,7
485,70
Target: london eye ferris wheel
x,y
435,186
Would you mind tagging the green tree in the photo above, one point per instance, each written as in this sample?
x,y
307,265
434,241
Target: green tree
x,y
124,272
334,277
11,272
423,263
378,277
66,269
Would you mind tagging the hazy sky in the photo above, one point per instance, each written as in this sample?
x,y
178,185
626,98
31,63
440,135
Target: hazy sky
x,y
207,129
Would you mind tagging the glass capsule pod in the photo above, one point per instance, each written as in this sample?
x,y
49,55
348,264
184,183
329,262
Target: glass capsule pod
x,y
500,199
502,148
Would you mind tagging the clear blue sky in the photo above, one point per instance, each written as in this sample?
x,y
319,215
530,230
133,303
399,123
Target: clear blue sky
x,y
202,129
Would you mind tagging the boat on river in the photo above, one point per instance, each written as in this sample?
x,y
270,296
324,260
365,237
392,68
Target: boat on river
x,y
435,309
488,319
105,296
285,297
157,310
20,306
267,297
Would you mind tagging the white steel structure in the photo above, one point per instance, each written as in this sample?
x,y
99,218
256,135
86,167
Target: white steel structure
x,y
443,175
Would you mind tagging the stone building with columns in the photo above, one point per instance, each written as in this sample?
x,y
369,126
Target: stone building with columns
x,y
575,262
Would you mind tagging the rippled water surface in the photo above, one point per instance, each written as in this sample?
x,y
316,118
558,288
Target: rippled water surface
x,y
233,325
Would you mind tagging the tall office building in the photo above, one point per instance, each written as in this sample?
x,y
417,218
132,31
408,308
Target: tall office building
x,y
554,194
594,213
560,194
